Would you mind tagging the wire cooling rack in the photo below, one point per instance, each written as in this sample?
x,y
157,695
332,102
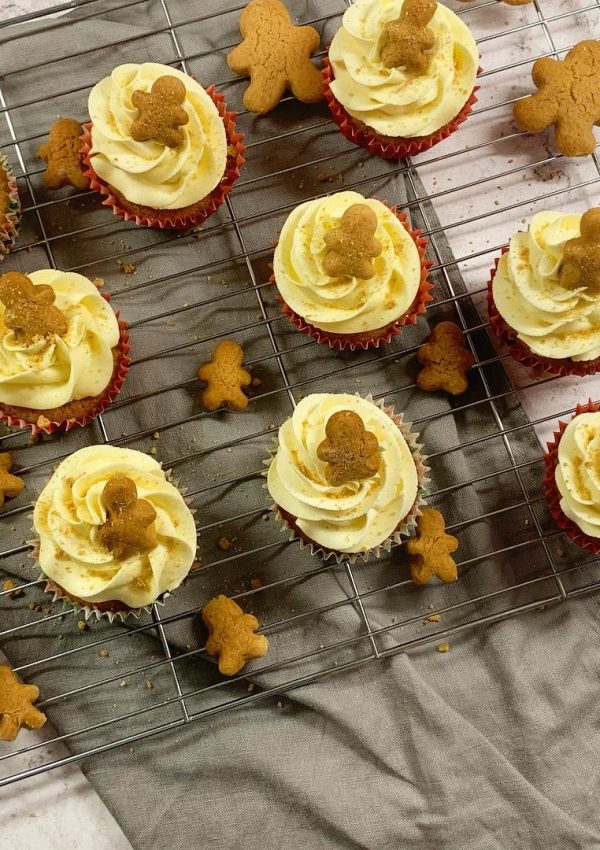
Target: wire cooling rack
x,y
107,685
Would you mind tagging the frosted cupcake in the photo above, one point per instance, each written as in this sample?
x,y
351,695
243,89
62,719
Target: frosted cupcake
x,y
350,271
10,208
114,533
162,150
63,351
400,76
347,476
544,295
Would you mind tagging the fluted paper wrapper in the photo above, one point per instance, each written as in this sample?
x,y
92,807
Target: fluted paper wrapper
x,y
10,218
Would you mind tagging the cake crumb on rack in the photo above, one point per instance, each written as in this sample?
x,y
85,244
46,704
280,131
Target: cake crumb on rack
x,y
443,647
224,543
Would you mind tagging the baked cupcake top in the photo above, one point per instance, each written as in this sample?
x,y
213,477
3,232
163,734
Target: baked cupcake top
x,y
397,101
95,561
577,472
56,339
550,315
337,297
357,514
169,165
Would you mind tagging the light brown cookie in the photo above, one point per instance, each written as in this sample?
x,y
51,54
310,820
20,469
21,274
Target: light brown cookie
x,y
10,485
446,360
581,256
225,378
430,550
62,157
406,42
568,98
29,308
276,56
231,635
352,246
160,112
16,705
129,525
350,452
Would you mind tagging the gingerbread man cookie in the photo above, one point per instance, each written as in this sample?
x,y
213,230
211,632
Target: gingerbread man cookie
x,y
430,550
16,705
62,157
581,256
446,360
231,635
128,529
276,56
349,450
352,246
29,308
10,485
160,112
225,378
406,42
568,98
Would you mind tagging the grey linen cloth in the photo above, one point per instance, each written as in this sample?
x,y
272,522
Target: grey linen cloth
x,y
493,744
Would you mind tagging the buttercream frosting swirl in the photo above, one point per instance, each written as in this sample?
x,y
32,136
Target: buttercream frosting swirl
x,y
394,101
71,508
551,319
149,172
345,304
52,371
353,517
577,472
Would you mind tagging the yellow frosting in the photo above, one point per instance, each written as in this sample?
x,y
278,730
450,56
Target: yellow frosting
x,y
353,517
151,173
50,372
552,320
578,472
346,304
70,509
394,101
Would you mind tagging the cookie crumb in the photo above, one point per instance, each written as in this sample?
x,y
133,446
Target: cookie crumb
x,y
443,647
103,652
224,543
81,625
255,583
433,618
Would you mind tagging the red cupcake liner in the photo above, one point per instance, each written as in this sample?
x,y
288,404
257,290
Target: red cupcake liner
x,y
553,497
108,396
373,339
174,219
366,138
522,353
10,218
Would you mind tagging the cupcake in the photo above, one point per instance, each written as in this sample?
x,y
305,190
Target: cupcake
x,y
350,271
63,351
10,208
347,477
162,150
572,481
114,534
544,294
400,76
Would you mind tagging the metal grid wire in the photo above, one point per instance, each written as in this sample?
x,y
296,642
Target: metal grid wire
x,y
515,559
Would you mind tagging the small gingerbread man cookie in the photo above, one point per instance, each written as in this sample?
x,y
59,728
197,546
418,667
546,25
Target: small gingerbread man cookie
x,y
62,156
406,42
581,256
129,527
349,450
10,485
430,550
352,246
568,98
276,56
446,360
29,308
160,112
231,635
16,705
225,378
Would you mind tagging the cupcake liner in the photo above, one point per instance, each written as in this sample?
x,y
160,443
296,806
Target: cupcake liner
x,y
522,353
405,528
45,426
361,135
553,497
374,338
186,217
10,218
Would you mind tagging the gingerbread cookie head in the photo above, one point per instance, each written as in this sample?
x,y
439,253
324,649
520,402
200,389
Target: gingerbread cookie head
x,y
62,156
349,450
352,247
568,98
406,42
231,635
16,705
445,359
431,549
581,257
129,527
225,378
160,112
29,308
10,485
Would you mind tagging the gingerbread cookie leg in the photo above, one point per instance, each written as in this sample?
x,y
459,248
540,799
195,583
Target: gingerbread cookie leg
x,y
265,90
